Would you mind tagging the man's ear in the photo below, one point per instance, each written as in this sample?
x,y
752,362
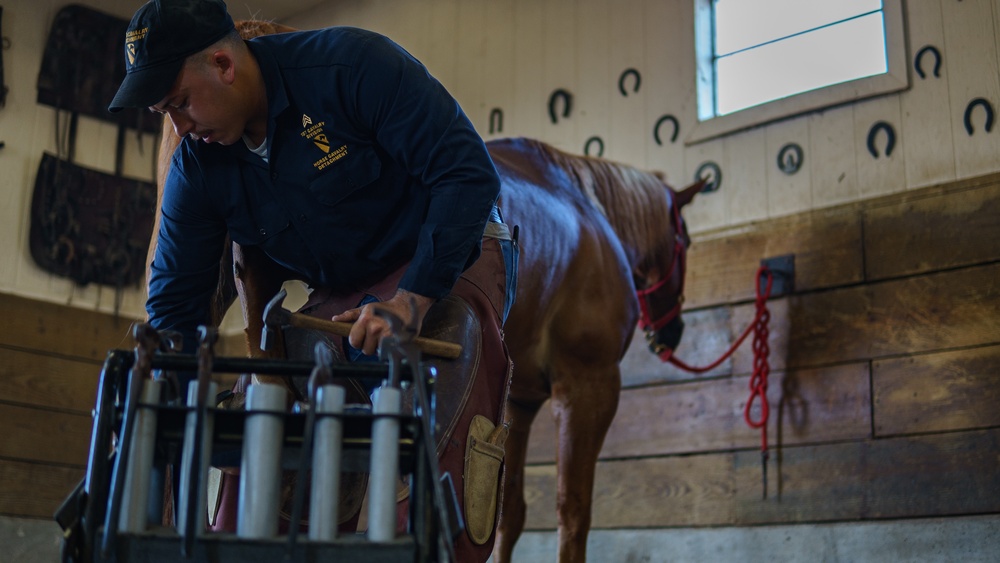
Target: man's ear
x,y
225,65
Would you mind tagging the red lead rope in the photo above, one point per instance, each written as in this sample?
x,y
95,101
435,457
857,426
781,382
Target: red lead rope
x,y
761,368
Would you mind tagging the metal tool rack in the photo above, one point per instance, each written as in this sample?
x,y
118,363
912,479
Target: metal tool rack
x,y
89,515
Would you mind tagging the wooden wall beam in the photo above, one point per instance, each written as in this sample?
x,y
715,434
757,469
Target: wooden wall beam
x,y
55,382
48,436
935,232
912,232
66,331
942,474
722,267
937,392
807,406
902,316
938,311
34,490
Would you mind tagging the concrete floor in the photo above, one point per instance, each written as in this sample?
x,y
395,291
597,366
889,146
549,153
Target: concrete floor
x,y
972,539
965,539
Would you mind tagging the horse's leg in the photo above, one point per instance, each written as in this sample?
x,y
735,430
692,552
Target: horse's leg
x,y
584,402
511,524
258,279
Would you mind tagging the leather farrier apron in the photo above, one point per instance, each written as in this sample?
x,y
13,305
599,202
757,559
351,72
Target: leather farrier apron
x,y
471,390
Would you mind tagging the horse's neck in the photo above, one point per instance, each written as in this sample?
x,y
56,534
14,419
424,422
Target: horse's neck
x,y
635,214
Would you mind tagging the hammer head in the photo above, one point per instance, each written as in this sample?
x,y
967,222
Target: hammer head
x,y
405,330
401,334
275,316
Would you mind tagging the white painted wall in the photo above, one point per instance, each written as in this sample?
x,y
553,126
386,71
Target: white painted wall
x,y
28,130
512,54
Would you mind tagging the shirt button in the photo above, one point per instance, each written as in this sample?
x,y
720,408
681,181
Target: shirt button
x,y
263,232
302,218
274,175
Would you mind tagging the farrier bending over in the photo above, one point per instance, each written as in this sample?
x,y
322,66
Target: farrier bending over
x,y
333,151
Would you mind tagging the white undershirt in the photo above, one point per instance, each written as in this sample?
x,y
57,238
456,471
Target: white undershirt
x,y
260,151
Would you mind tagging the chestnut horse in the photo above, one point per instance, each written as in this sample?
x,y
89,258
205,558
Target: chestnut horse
x,y
594,235
602,245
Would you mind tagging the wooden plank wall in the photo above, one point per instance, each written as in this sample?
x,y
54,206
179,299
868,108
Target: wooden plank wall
x,y
50,363
885,365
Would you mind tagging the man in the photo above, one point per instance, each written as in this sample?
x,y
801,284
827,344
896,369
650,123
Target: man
x,y
336,154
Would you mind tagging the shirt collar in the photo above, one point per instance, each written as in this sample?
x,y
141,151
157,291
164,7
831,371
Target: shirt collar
x,y
274,83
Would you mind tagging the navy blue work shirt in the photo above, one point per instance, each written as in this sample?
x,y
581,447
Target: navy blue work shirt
x,y
371,163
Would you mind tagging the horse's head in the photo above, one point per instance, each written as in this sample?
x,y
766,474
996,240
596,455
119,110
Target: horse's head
x,y
660,282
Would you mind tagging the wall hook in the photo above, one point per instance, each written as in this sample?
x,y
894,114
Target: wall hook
x,y
659,122
937,61
710,172
889,131
496,121
621,81
989,114
600,144
567,99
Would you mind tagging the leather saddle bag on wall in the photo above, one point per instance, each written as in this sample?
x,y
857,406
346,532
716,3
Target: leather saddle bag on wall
x,y
88,225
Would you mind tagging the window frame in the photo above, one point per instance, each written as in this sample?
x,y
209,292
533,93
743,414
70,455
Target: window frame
x,y
894,80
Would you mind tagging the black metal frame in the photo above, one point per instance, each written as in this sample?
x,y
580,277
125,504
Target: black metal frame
x,y
83,514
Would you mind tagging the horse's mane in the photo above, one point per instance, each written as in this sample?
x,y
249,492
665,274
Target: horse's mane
x,y
635,202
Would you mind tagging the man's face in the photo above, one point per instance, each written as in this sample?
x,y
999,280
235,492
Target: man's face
x,y
202,105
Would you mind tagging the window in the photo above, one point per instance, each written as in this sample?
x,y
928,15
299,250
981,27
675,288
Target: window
x,y
762,60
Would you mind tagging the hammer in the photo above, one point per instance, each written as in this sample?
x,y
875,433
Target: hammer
x,y
276,316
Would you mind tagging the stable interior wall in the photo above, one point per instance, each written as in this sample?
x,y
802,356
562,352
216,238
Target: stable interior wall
x,y
28,130
883,434
883,386
511,55
55,334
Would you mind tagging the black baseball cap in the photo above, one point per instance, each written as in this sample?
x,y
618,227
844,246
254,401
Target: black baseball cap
x,y
161,35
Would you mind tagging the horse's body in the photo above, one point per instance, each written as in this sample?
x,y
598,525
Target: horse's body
x,y
591,233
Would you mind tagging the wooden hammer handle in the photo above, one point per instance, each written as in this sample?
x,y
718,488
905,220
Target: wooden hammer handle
x,y
430,346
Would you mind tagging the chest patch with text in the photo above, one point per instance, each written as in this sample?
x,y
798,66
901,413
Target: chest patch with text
x,y
314,132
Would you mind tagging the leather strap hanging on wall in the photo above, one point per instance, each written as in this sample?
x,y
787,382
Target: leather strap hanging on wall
x,y
84,63
4,42
87,225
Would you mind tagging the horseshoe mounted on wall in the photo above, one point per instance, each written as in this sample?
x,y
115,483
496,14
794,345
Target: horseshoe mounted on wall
x,y
989,114
714,178
937,61
600,144
889,131
567,99
621,81
790,158
496,120
661,121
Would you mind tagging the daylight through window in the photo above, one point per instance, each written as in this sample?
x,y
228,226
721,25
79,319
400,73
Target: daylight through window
x,y
763,60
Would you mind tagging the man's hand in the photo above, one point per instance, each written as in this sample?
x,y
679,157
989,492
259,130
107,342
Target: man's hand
x,y
369,328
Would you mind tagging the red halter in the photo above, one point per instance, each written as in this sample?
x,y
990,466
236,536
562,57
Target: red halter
x,y
647,321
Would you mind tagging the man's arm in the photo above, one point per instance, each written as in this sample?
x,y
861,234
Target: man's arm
x,y
185,269
423,128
